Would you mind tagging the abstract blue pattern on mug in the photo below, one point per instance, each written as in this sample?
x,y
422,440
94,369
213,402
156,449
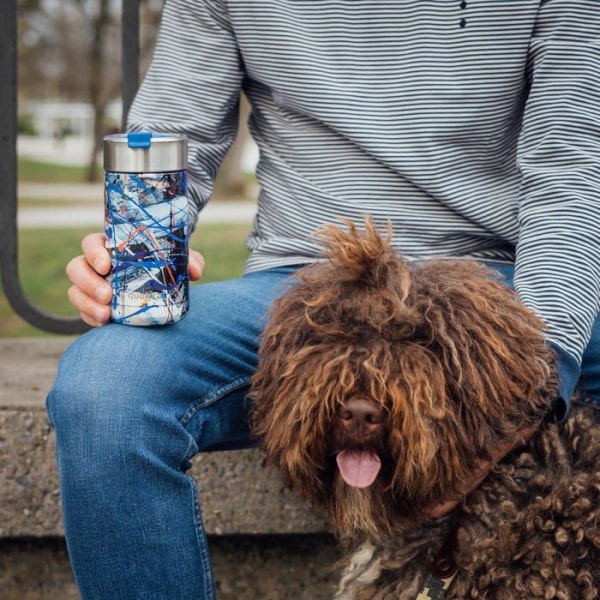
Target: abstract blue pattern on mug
x,y
146,230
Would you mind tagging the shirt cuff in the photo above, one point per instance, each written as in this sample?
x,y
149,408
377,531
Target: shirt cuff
x,y
568,370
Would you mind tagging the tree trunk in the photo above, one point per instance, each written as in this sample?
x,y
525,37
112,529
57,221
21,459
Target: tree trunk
x,y
231,181
97,99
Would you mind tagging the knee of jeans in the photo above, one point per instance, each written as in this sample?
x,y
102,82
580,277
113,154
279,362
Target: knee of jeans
x,y
101,392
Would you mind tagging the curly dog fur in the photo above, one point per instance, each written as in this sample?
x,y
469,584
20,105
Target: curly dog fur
x,y
381,387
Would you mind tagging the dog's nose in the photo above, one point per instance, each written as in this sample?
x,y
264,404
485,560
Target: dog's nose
x,y
360,416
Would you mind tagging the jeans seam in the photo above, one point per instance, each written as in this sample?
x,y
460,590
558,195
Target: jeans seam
x,y
213,397
202,545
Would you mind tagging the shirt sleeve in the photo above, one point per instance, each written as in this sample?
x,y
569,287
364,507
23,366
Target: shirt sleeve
x,y
557,271
192,86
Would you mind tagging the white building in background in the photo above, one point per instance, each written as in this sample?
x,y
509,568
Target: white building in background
x,y
75,119
64,131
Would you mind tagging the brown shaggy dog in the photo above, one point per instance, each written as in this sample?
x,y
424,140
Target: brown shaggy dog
x,y
380,389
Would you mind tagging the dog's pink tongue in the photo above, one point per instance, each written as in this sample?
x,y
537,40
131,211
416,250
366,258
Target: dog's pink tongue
x,y
358,468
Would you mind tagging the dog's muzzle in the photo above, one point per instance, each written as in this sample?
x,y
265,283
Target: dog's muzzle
x,y
359,419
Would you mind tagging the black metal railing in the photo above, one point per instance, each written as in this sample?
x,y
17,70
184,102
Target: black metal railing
x,y
9,267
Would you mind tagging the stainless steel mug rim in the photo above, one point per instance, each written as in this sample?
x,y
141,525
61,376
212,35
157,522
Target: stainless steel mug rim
x,y
166,152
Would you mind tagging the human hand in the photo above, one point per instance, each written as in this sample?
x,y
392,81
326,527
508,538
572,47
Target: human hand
x,y
482,470
90,293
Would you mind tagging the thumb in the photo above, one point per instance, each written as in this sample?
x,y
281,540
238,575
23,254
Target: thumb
x,y
196,265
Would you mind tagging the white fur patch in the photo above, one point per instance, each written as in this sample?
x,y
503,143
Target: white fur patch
x,y
361,570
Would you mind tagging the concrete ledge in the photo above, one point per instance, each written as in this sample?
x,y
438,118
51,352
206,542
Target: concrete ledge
x,y
239,495
245,567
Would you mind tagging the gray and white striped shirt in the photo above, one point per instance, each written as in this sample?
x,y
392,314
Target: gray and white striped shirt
x,y
473,125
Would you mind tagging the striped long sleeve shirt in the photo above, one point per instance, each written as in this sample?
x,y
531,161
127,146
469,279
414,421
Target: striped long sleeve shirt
x,y
473,126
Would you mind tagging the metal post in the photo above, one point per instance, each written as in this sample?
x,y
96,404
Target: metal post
x,y
8,163
8,186
130,54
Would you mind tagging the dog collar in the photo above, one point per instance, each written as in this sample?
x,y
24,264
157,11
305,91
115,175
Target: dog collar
x,y
434,588
441,574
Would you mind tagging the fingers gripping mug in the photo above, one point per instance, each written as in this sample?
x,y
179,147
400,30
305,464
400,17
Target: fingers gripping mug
x,y
146,226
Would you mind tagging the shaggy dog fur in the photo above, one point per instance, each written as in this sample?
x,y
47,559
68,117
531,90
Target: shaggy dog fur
x,y
441,364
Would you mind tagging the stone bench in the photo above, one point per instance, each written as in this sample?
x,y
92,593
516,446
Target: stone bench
x,y
265,543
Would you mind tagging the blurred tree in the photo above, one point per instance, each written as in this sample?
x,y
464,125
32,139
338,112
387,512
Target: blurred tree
x,y
55,49
98,99
231,180
70,50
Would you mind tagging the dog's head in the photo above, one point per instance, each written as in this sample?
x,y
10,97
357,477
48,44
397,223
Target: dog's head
x,y
381,385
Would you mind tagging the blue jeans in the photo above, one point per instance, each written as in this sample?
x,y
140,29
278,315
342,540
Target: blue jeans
x,y
130,407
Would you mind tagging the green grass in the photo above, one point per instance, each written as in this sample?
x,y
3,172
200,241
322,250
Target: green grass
x,y
49,203
34,171
44,253
40,172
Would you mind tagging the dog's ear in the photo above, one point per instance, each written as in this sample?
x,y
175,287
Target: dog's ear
x,y
498,368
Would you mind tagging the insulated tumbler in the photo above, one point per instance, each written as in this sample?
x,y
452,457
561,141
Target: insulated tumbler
x,y
146,226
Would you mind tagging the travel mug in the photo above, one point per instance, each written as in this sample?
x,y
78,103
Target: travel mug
x,y
146,226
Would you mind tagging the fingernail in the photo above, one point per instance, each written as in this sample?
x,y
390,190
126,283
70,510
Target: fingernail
x,y
100,316
100,265
103,293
